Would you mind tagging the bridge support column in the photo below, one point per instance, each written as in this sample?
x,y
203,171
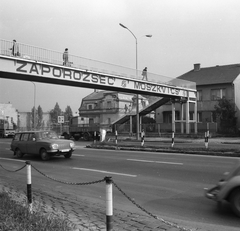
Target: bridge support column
x,y
173,117
140,125
131,126
187,116
195,115
181,118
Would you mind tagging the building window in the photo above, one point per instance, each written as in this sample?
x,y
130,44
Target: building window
x,y
213,117
199,95
109,120
199,117
89,106
217,94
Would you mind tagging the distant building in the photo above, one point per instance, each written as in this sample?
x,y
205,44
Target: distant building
x,y
21,120
9,114
213,83
26,121
105,107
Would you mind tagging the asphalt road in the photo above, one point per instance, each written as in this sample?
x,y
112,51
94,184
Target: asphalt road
x,y
168,185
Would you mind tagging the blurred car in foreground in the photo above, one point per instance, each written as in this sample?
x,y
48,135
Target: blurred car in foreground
x,y
42,143
227,189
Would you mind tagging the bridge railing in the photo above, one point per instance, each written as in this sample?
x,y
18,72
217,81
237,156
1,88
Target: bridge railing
x,y
55,57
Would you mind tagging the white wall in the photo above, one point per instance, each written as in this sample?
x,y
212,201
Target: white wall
x,y
237,98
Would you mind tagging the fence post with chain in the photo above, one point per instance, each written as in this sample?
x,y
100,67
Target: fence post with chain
x,y
94,137
206,139
116,137
142,137
172,139
29,185
109,204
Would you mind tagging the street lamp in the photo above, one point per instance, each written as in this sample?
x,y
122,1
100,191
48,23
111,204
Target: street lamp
x,y
137,106
34,109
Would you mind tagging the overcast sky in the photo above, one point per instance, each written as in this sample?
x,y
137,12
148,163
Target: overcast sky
x,y
184,32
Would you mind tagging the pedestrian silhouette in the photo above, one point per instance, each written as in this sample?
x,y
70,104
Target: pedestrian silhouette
x,y
65,57
144,74
15,48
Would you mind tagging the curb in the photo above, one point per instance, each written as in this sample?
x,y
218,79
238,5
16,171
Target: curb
x,y
146,149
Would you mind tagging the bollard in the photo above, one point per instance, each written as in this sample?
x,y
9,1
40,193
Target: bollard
x,y
172,139
142,138
116,134
29,186
94,137
109,204
206,139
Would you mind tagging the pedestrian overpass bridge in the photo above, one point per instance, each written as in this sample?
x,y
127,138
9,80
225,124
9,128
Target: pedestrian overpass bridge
x,y
41,65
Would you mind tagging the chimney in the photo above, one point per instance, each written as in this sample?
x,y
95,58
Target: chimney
x,y
197,67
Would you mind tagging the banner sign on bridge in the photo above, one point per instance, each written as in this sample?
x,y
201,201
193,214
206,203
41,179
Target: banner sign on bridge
x,y
55,72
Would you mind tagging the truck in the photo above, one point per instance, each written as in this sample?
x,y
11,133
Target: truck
x,y
6,130
82,128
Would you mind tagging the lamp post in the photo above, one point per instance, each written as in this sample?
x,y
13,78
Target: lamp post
x,y
34,109
137,105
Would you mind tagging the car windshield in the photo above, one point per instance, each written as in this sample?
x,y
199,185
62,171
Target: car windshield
x,y
48,135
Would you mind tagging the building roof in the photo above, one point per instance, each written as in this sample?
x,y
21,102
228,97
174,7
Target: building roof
x,y
212,75
96,95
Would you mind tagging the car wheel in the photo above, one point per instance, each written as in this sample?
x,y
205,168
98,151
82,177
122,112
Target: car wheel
x,y
19,154
76,138
68,155
235,201
44,155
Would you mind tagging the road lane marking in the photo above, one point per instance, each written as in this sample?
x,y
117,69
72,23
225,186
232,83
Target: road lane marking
x,y
95,170
78,155
157,162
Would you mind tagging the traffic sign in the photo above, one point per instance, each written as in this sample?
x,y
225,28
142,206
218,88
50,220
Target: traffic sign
x,y
60,119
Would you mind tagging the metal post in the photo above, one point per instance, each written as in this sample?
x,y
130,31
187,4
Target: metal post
x,y
29,185
137,106
109,204
34,107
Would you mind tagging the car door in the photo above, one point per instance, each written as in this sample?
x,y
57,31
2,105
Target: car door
x,y
31,144
22,144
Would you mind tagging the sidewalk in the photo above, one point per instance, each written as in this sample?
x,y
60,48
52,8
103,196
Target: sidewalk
x,y
86,216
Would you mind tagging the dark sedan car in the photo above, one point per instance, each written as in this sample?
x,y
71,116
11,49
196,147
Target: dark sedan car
x,y
42,143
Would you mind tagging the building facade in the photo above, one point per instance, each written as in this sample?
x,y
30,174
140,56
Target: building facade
x,y
213,83
105,107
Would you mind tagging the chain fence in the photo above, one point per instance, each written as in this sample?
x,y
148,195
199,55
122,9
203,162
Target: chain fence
x,y
69,183
13,170
119,189
149,213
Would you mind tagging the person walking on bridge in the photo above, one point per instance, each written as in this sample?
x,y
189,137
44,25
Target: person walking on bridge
x,y
15,48
65,57
144,74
